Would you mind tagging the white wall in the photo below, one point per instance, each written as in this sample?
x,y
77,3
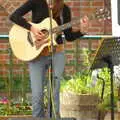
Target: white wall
x,y
114,12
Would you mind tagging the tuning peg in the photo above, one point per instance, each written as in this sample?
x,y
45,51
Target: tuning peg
x,y
109,18
101,10
104,19
100,20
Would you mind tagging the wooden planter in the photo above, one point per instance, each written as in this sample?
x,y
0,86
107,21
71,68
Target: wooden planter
x,y
118,106
79,106
14,116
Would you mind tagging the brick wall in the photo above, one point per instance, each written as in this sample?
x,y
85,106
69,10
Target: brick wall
x,y
78,8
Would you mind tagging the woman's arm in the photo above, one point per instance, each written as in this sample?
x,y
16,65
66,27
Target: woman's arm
x,y
17,15
69,34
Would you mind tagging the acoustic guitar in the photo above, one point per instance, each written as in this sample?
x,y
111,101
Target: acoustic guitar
x,y
22,41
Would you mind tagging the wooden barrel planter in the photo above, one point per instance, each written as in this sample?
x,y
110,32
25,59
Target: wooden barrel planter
x,y
79,106
118,106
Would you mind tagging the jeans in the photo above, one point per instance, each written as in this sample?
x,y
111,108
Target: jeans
x,y
38,69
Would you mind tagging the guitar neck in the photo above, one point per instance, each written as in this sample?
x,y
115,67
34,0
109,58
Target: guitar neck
x,y
102,13
66,25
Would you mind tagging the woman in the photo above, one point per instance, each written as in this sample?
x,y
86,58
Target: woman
x,y
38,67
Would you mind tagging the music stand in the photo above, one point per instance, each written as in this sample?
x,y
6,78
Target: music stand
x,y
108,55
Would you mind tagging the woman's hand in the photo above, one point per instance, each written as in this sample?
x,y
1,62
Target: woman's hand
x,y
84,24
37,33
39,36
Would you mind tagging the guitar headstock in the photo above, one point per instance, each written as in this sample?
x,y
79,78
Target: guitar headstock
x,y
102,14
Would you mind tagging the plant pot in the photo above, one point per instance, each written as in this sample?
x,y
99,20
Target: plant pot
x,y
79,106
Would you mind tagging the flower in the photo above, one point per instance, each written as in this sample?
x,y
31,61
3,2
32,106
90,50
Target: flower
x,y
13,107
4,100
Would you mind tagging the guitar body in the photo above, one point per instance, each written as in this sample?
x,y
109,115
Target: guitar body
x,y
25,49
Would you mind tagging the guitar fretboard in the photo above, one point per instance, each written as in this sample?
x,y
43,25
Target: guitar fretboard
x,y
65,26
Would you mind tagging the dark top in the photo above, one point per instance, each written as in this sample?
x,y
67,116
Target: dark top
x,y
40,11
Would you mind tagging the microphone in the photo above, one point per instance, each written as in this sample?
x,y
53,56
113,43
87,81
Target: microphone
x,y
50,3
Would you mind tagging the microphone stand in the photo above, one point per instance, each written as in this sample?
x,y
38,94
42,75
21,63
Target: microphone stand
x,y
51,71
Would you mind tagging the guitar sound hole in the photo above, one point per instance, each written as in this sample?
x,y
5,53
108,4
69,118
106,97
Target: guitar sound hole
x,y
44,31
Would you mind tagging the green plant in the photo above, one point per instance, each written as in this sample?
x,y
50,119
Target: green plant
x,y
105,103
78,84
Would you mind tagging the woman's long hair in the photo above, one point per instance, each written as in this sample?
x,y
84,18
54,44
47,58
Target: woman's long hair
x,y
58,5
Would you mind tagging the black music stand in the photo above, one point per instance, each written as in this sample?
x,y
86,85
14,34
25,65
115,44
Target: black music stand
x,y
108,55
